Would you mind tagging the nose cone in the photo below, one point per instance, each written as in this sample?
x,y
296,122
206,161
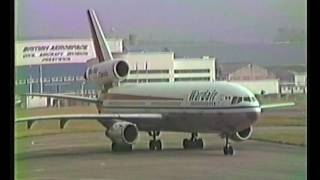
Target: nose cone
x,y
253,116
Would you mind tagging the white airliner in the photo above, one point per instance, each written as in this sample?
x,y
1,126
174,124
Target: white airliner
x,y
203,107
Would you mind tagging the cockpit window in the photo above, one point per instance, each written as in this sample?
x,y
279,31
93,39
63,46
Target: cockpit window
x,y
237,100
234,100
247,99
253,99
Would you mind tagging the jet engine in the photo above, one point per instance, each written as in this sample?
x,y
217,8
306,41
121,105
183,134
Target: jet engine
x,y
123,132
242,135
107,72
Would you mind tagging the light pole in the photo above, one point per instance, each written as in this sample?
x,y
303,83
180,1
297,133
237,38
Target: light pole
x,y
40,79
82,88
30,84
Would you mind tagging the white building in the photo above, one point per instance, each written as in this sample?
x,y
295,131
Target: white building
x,y
300,79
148,67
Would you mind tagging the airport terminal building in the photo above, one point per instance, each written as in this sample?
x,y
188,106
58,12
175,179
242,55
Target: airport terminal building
x,y
58,66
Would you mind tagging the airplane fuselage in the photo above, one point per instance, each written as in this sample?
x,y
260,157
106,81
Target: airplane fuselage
x,y
220,107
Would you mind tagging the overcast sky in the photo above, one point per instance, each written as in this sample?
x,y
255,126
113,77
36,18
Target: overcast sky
x,y
213,20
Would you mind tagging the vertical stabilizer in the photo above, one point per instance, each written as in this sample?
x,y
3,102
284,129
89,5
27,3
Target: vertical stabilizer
x,y
101,47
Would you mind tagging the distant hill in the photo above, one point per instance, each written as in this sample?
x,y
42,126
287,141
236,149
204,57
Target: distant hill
x,y
290,35
299,68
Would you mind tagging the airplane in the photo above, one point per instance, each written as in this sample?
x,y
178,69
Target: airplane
x,y
225,108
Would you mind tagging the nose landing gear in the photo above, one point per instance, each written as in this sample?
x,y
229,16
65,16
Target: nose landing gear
x,y
228,150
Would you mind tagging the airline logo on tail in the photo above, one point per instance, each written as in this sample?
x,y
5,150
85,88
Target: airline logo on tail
x,y
103,70
101,48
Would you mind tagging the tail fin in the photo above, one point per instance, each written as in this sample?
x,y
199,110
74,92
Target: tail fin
x,y
101,47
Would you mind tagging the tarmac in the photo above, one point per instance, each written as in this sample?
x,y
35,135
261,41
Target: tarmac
x,y
87,156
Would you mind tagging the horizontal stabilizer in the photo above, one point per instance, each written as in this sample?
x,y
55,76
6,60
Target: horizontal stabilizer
x,y
63,96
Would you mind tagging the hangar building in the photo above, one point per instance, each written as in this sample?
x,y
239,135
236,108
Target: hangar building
x,y
256,78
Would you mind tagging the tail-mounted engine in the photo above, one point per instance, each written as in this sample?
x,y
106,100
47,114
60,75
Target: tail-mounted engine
x,y
242,135
123,132
107,72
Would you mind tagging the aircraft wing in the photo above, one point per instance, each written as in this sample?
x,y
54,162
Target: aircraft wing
x,y
63,96
105,117
278,105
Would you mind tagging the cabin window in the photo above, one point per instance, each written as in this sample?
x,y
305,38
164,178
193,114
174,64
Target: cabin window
x,y
247,99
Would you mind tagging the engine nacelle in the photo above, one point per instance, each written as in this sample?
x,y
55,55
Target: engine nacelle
x,y
123,132
242,135
107,72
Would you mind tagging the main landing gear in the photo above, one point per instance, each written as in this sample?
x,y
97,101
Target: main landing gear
x,y
193,143
228,150
155,144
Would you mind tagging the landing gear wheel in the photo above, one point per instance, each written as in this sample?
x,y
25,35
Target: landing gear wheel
x,y
185,143
225,150
155,144
158,145
228,149
199,143
152,145
193,143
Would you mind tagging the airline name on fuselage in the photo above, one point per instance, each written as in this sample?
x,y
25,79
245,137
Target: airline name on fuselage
x,y
204,96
